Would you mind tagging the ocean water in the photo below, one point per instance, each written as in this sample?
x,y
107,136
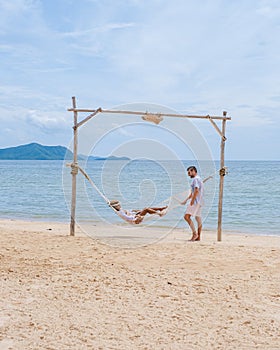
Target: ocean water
x,y
41,190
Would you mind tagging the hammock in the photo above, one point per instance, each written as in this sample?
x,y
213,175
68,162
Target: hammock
x,y
173,201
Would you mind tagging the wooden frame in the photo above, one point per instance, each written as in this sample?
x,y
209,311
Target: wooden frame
x,y
94,112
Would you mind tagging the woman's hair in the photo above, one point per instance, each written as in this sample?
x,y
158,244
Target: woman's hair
x,y
115,203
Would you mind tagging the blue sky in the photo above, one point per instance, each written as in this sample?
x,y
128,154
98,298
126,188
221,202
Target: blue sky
x,y
195,57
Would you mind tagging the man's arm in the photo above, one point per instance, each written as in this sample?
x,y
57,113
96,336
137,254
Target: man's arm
x,y
185,201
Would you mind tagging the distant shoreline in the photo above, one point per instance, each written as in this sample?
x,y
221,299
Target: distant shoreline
x,y
121,225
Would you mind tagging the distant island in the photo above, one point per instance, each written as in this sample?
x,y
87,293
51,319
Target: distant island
x,y
35,151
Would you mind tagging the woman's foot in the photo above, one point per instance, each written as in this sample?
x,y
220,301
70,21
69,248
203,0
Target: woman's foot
x,y
162,212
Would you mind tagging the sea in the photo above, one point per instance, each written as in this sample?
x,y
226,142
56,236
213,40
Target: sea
x,y
41,191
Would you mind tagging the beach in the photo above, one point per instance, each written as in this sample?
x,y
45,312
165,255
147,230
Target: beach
x,y
63,292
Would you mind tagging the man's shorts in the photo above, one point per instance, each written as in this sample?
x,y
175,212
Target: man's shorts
x,y
194,210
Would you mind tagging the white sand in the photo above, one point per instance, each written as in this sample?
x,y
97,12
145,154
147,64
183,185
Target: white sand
x,y
62,292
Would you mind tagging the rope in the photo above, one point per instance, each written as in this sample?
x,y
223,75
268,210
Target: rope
x,y
223,171
75,169
93,185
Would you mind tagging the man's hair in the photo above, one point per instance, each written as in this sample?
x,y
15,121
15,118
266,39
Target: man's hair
x,y
192,167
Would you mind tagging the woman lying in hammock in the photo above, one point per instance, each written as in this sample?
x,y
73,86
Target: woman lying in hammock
x,y
134,216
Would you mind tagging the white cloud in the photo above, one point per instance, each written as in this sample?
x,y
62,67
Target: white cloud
x,y
17,14
17,6
48,120
17,95
6,48
252,121
89,32
123,131
223,55
269,8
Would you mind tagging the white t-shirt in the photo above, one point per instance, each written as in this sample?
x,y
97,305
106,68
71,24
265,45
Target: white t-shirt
x,y
198,183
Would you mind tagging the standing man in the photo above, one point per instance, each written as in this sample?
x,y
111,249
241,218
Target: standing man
x,y
196,201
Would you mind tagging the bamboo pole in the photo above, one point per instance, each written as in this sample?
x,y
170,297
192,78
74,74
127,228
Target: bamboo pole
x,y
222,175
88,118
74,170
216,127
100,110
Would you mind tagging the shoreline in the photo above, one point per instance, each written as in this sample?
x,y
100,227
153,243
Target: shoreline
x,y
122,225
122,236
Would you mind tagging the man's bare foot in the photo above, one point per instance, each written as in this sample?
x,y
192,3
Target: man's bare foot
x,y
194,237
198,238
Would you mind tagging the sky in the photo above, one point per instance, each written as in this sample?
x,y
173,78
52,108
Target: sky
x,y
189,56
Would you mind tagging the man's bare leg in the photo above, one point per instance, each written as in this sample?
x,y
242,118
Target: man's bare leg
x,y
199,227
194,237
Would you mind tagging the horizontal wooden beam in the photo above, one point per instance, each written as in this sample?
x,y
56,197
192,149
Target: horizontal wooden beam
x,y
100,110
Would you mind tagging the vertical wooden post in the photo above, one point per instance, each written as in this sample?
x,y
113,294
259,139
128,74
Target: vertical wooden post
x,y
222,175
74,171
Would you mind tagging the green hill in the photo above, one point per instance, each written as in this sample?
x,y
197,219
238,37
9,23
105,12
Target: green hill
x,y
35,151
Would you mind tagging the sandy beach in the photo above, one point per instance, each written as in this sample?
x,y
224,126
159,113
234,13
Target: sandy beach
x,y
62,292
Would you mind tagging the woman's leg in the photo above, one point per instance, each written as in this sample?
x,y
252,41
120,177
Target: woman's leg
x,y
153,210
147,211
